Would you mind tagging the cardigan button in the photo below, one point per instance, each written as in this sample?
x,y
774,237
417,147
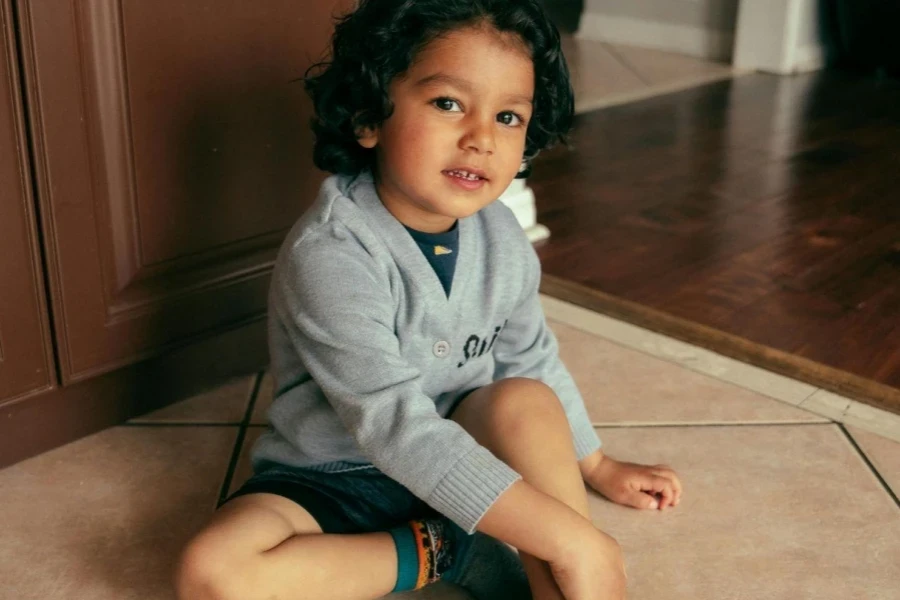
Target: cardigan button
x,y
441,349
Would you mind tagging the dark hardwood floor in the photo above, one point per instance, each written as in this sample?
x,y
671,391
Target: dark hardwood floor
x,y
759,217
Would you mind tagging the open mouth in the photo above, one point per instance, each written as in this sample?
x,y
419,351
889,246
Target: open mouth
x,y
468,176
465,180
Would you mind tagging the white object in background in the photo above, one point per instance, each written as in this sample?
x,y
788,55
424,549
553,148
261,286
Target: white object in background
x,y
779,36
520,199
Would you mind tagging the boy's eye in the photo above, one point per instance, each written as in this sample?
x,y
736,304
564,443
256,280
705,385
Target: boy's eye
x,y
510,118
447,104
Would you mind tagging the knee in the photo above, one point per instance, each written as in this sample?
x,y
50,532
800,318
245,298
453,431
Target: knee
x,y
201,574
519,403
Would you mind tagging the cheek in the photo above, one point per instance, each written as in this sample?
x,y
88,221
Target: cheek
x,y
516,141
418,143
514,150
397,144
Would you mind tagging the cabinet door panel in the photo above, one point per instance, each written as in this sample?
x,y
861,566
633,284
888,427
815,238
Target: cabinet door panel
x,y
25,355
174,153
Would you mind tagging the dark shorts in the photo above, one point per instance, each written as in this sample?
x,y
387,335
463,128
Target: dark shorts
x,y
367,501
359,501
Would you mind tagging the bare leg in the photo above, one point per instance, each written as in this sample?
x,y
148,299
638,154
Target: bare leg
x,y
263,546
523,423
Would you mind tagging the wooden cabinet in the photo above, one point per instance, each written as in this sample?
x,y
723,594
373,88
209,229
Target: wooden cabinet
x,y
25,354
170,152
172,155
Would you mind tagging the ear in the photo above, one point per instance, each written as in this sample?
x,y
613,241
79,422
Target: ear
x,y
367,137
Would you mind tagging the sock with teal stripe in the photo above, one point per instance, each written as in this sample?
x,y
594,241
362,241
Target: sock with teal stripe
x,y
427,551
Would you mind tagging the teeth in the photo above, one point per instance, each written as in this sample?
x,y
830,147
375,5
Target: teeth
x,y
465,175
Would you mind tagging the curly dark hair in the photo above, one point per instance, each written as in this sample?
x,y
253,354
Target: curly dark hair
x,y
379,40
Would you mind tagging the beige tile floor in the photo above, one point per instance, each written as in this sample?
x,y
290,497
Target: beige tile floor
x,y
779,502
790,492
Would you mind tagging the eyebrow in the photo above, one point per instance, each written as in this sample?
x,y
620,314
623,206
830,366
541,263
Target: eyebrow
x,y
465,86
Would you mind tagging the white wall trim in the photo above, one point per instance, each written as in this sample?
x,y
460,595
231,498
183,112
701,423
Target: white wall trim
x,y
693,41
768,37
809,58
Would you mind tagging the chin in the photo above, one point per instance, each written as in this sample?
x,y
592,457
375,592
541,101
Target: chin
x,y
464,210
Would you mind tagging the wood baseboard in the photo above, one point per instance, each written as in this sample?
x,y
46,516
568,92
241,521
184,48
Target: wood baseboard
x,y
30,425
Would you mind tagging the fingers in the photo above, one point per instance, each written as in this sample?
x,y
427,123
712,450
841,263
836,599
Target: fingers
x,y
641,500
646,487
668,473
662,486
650,486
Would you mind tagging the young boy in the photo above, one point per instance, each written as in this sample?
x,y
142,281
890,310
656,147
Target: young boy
x,y
419,393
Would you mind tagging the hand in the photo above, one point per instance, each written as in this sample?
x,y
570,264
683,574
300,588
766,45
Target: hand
x,y
591,568
630,484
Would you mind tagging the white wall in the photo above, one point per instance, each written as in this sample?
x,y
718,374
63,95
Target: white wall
x,y
703,28
720,15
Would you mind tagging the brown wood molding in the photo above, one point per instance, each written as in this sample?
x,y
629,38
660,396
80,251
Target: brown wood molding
x,y
26,349
841,382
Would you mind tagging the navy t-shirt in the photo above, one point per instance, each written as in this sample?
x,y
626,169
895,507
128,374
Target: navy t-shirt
x,y
440,249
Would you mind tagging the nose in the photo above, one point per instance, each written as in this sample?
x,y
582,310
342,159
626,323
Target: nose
x,y
479,136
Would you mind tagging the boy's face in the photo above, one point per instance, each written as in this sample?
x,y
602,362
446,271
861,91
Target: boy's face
x,y
456,137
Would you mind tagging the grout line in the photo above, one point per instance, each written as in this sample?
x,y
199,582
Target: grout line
x,y
811,394
232,463
628,66
691,425
239,442
254,395
865,458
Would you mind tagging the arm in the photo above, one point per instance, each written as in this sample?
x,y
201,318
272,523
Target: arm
x,y
555,528
585,563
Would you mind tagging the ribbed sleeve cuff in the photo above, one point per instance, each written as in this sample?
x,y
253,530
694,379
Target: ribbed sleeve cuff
x,y
471,487
586,440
